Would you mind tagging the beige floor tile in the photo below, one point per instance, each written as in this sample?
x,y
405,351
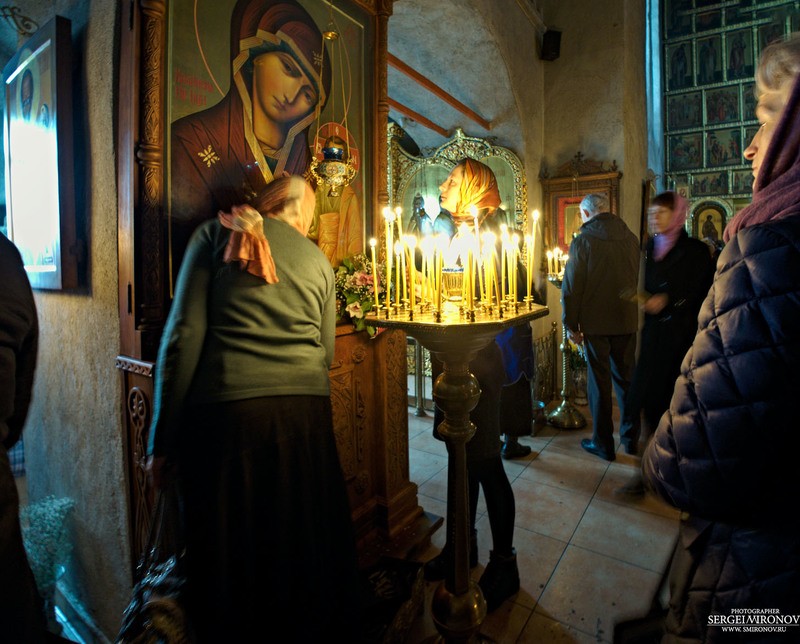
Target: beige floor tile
x,y
543,630
548,510
436,486
565,471
592,592
569,442
636,537
506,624
577,592
537,558
425,442
423,465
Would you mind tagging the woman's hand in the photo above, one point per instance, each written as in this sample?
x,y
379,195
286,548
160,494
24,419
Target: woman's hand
x,y
656,303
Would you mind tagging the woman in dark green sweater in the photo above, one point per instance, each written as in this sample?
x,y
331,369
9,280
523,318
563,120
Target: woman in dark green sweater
x,y
243,413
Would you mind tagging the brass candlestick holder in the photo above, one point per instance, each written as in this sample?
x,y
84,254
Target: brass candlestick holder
x,y
566,415
458,606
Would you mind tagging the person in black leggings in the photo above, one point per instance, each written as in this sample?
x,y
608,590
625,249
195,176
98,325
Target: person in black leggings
x,y
473,184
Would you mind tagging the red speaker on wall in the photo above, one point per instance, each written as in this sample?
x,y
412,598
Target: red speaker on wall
x,y
551,45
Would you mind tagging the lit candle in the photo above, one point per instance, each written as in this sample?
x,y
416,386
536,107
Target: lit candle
x,y
411,244
493,269
426,244
400,258
388,218
501,296
481,276
529,263
513,267
372,243
398,250
488,259
533,249
398,211
471,286
549,262
438,280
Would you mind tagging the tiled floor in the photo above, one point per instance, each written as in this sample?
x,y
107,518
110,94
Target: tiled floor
x,y
587,558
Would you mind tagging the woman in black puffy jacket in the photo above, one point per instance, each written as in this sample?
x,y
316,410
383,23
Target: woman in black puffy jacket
x,y
726,451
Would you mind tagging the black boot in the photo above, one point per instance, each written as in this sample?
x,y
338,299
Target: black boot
x,y
436,568
512,448
500,580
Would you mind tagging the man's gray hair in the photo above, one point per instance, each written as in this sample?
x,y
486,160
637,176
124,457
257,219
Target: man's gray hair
x,y
594,204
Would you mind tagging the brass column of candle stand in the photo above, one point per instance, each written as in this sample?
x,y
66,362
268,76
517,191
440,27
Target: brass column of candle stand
x,y
566,415
458,606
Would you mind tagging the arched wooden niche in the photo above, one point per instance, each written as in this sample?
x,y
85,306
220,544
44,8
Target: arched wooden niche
x,y
563,192
410,175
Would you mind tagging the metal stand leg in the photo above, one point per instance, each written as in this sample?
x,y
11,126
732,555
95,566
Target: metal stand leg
x,y
566,415
419,379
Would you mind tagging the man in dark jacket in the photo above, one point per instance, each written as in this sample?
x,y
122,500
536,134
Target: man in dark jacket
x,y
20,616
603,265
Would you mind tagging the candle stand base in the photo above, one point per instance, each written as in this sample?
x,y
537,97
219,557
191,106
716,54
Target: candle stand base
x,y
458,607
566,416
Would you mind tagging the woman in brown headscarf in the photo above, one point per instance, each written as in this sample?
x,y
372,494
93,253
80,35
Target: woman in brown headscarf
x,y
470,192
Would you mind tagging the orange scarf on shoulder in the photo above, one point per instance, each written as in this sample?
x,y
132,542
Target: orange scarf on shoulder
x,y
247,243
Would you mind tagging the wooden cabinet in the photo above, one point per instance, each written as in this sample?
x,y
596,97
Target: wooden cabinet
x,y
370,415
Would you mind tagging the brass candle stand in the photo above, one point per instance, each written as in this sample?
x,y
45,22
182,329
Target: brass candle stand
x,y
455,336
566,415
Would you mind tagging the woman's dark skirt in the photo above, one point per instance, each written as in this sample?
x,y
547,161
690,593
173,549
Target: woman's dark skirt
x,y
270,547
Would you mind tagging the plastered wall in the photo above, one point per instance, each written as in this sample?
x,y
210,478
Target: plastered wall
x,y
73,437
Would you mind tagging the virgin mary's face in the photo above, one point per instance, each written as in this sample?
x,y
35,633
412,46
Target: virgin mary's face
x,y
450,189
281,88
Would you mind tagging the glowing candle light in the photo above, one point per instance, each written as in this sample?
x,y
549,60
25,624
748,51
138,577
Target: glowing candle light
x,y
438,279
426,244
529,263
398,251
411,244
535,226
372,243
388,218
471,287
400,259
502,294
488,263
513,267
481,276
398,211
